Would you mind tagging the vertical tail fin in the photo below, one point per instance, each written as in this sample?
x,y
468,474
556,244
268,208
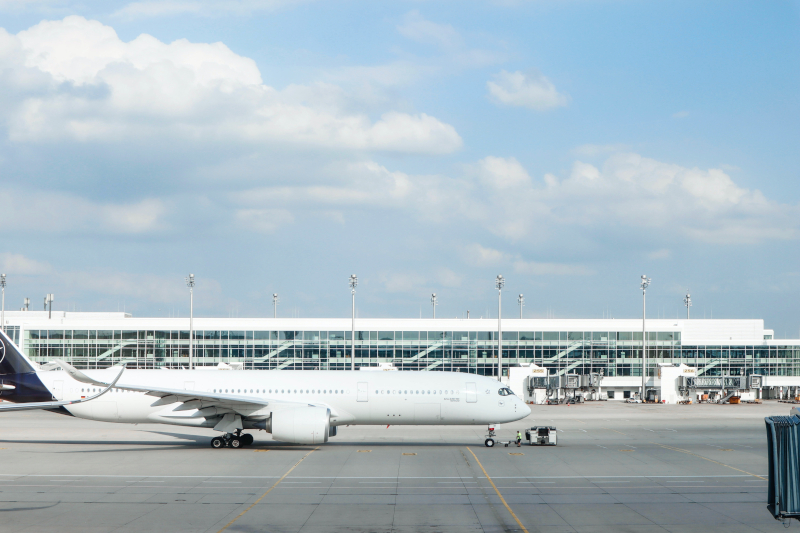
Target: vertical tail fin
x,y
12,360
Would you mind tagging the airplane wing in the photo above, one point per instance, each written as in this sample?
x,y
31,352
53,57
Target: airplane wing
x,y
194,399
51,405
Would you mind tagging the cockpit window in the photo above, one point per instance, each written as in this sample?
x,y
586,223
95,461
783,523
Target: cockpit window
x,y
505,391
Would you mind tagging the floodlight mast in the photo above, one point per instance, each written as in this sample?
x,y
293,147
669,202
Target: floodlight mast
x,y
275,305
521,302
27,303
3,314
48,305
687,301
644,284
353,284
434,303
190,284
499,282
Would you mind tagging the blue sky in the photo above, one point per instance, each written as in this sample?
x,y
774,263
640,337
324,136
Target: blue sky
x,y
281,145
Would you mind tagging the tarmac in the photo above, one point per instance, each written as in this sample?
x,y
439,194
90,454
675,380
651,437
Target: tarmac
x,y
617,467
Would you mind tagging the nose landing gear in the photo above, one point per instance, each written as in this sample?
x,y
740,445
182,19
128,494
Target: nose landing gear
x,y
232,440
490,437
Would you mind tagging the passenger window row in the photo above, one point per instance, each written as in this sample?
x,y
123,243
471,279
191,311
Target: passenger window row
x,y
413,392
278,391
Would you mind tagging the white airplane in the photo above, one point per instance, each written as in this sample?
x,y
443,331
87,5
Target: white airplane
x,y
303,407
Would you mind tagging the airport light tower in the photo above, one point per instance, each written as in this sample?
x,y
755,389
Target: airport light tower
x,y
274,305
48,305
434,303
27,303
190,284
687,301
3,313
353,285
644,284
521,302
499,282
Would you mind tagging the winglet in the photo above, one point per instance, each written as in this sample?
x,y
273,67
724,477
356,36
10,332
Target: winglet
x,y
77,375
61,403
107,386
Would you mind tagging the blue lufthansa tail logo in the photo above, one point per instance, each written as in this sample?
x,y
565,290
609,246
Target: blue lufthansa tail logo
x,y
2,351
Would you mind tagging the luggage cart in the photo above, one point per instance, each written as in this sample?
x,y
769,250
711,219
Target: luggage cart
x,y
541,436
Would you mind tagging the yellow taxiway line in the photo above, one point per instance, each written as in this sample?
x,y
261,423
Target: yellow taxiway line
x,y
498,492
268,491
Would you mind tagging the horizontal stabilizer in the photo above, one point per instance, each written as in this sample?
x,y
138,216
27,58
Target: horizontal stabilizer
x,y
53,405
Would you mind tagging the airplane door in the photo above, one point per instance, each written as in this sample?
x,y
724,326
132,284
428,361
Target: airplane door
x,y
363,391
472,393
58,390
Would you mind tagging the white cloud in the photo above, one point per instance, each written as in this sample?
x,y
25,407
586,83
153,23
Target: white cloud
x,y
536,268
638,192
367,185
449,278
11,263
592,150
532,90
664,253
418,29
206,8
58,213
625,195
503,173
402,282
144,287
480,256
263,220
78,80
420,282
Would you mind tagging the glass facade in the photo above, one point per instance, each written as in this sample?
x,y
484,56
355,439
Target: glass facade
x,y
616,353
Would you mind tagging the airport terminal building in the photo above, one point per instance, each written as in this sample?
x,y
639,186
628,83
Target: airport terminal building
x,y
564,346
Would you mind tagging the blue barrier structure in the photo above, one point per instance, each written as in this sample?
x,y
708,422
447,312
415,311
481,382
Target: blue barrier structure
x,y
783,442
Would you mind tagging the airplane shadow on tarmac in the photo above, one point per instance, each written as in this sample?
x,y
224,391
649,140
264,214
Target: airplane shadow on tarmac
x,y
26,508
196,441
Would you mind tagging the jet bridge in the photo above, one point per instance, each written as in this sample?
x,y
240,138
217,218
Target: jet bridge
x,y
721,388
565,388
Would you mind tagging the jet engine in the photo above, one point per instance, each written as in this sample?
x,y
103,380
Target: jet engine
x,y
301,425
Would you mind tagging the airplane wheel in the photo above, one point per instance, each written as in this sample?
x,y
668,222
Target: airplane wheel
x,y
247,439
489,443
235,442
217,442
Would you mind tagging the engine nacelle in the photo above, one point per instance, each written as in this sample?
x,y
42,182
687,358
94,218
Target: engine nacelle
x,y
301,425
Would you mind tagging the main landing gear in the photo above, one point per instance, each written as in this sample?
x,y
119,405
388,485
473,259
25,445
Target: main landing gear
x,y
232,440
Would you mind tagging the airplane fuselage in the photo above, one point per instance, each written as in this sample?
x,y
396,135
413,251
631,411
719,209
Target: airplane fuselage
x,y
395,398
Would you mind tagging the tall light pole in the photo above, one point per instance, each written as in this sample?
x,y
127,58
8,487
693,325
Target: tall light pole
x,y
3,314
353,285
499,282
27,303
434,303
190,284
644,284
521,302
48,305
687,301
274,305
